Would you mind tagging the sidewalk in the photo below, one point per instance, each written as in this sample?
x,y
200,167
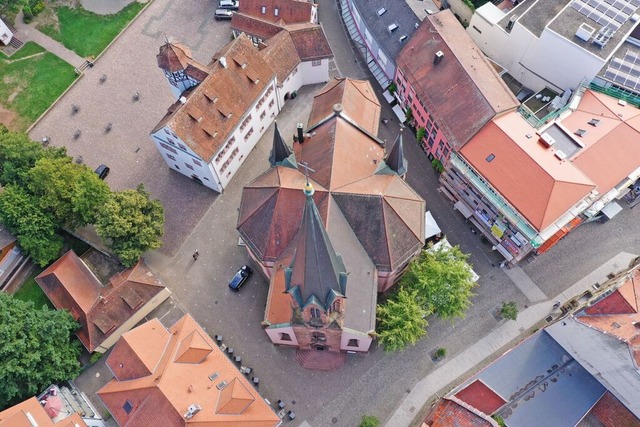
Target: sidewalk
x,y
27,33
472,358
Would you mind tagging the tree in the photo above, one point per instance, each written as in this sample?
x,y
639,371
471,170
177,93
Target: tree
x,y
401,320
34,227
72,193
509,310
131,224
36,349
443,281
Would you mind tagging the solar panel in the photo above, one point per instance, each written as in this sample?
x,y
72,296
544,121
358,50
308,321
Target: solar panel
x,y
611,14
625,71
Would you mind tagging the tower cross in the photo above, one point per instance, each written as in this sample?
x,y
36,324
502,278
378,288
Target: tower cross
x,y
306,167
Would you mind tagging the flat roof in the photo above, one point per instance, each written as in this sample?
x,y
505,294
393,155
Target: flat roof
x,y
563,141
538,16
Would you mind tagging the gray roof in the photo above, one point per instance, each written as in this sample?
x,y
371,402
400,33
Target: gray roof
x,y
604,356
5,237
395,157
281,154
398,12
542,384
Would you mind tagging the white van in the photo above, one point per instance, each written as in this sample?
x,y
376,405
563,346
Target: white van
x,y
223,14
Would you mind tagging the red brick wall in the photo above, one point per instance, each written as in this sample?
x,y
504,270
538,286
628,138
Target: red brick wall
x,y
610,412
304,334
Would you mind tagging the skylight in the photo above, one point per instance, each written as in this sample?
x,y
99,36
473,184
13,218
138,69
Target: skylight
x,y
581,132
381,11
490,157
393,27
594,122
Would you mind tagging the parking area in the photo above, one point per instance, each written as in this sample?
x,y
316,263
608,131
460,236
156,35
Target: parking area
x,y
105,94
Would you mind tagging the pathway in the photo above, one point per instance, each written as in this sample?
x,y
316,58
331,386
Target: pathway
x,y
28,33
106,7
472,358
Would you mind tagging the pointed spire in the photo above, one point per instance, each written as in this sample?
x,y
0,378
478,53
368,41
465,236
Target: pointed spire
x,y
316,269
281,154
395,157
173,57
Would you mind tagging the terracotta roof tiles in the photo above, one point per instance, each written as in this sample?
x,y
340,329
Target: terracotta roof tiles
x,y
310,42
449,413
18,416
280,53
288,11
243,23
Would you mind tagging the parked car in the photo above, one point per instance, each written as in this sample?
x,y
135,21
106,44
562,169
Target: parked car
x,y
240,277
223,14
229,4
102,171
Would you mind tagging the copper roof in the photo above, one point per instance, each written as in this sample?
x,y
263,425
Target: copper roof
x,y
280,53
310,42
463,91
18,416
526,173
100,310
288,11
163,396
214,108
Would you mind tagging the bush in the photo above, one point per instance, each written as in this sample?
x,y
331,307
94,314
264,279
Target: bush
x,y
392,87
28,14
441,352
95,357
369,421
420,133
499,420
437,165
409,114
509,310
37,8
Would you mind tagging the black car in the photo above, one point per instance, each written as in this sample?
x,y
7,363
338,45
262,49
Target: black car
x,y
102,171
240,277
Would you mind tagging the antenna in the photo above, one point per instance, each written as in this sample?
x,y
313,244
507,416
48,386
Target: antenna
x,y
166,38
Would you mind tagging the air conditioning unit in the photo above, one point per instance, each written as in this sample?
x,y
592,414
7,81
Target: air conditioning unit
x,y
547,139
192,410
560,154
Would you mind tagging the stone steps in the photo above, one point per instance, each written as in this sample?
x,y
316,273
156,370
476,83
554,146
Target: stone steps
x,y
320,360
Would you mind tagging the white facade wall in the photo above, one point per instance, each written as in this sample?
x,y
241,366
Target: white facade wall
x,y
179,82
292,83
364,340
313,74
275,334
5,33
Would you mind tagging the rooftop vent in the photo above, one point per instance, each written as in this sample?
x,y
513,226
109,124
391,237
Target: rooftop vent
x,y
392,27
547,139
580,132
603,37
223,61
560,154
635,17
512,21
403,38
438,57
183,99
192,410
585,32
381,11
622,102
594,122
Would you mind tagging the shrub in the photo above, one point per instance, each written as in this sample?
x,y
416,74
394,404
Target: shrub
x,y
37,8
95,357
441,352
437,165
28,14
393,87
509,310
409,114
499,420
369,421
420,133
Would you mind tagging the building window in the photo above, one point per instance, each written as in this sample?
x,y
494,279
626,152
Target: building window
x,y
168,148
188,166
177,167
128,406
245,122
195,162
182,146
316,62
353,343
276,11
294,72
477,29
264,113
263,9
285,337
271,103
171,157
318,336
248,134
315,312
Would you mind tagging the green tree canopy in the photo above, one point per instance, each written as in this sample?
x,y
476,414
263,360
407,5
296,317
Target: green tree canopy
x,y
35,349
401,320
72,193
131,224
34,227
443,281
18,154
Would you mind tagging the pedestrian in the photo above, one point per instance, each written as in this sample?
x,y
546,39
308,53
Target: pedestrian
x,y
196,254
557,304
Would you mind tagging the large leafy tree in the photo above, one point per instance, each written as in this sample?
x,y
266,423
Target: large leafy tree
x,y
131,224
36,349
401,320
443,280
72,193
34,227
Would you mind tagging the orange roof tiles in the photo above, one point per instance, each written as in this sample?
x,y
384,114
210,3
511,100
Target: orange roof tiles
x,y
310,41
280,53
450,412
463,91
288,11
527,174
20,415
163,396
100,310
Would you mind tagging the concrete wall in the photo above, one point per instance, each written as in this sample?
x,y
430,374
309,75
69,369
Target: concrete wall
x,y
314,74
5,33
462,10
134,320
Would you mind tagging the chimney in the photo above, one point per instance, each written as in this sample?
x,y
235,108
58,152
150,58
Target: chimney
x,y
223,61
438,58
300,133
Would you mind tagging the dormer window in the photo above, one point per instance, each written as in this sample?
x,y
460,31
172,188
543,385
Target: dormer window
x,y
315,312
392,27
381,11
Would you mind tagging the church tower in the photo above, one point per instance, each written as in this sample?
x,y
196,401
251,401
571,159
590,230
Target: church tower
x,y
181,71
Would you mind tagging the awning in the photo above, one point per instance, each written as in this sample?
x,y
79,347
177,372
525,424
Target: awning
x,y
430,226
387,95
464,209
399,113
504,251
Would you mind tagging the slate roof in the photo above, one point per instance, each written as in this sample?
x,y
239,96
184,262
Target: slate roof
x,y
280,151
526,173
100,310
16,416
162,372
463,91
215,107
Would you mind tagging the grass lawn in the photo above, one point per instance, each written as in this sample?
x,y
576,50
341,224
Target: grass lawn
x,y
27,49
30,291
28,87
87,33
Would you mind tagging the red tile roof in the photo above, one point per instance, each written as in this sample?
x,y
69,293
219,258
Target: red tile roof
x,y
20,415
450,412
281,55
100,310
611,413
310,41
480,396
527,174
463,91
188,369
242,23
288,11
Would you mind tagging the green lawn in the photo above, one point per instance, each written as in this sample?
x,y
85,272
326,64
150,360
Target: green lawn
x,y
28,49
30,291
87,33
28,87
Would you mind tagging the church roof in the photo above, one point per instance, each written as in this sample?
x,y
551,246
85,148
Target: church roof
x,y
280,152
173,57
395,162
